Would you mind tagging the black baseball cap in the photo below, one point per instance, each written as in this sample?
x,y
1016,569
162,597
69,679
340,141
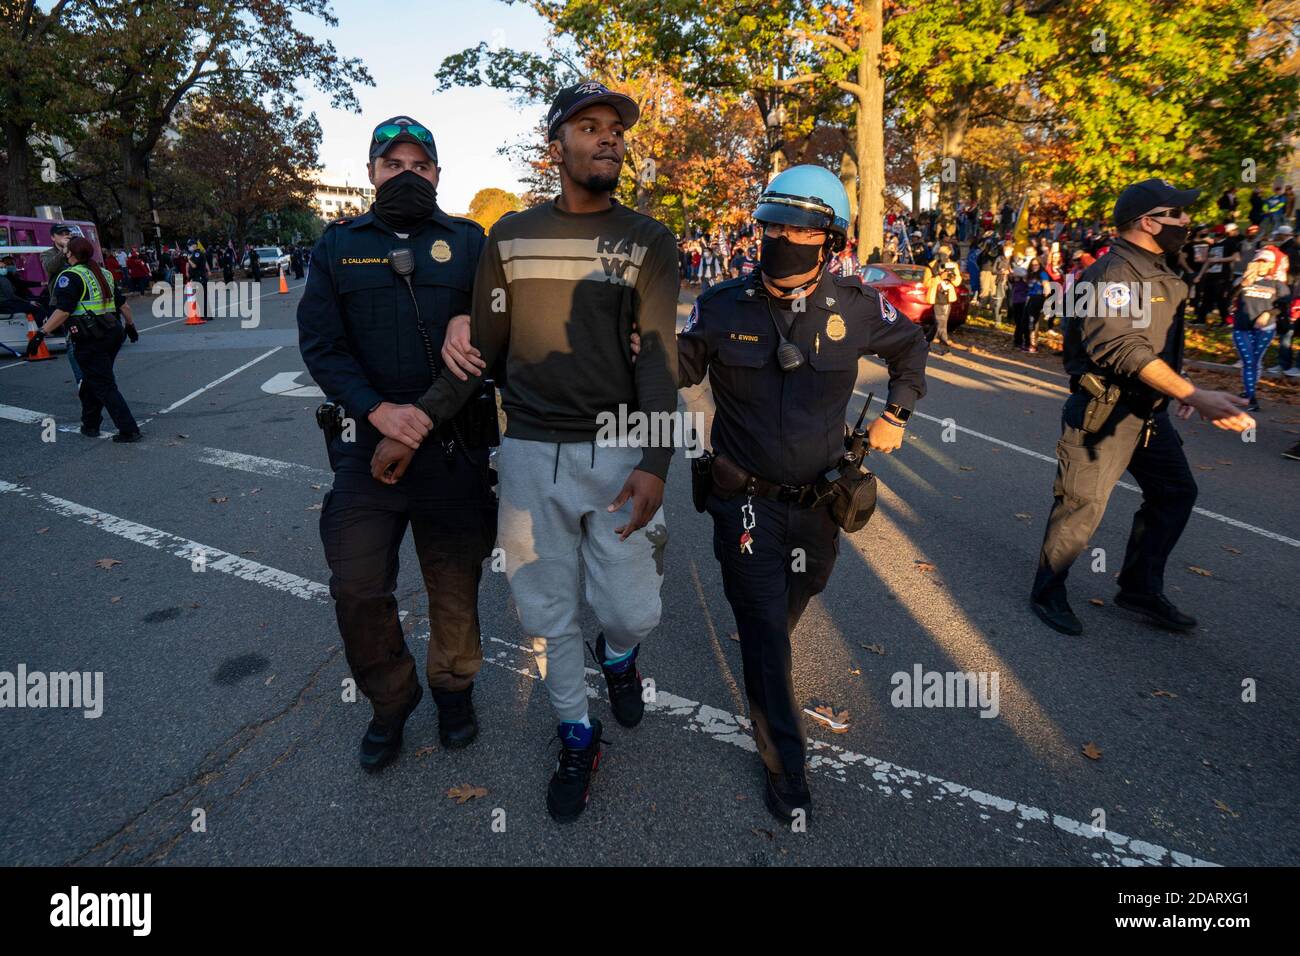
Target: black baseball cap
x,y
60,230
573,98
402,129
1140,198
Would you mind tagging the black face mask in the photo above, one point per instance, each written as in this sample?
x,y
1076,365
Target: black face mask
x,y
1171,238
405,201
783,258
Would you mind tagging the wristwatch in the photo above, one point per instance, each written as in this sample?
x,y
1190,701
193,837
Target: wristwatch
x,y
899,412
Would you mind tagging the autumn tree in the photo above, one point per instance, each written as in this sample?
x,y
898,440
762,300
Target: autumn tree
x,y
490,204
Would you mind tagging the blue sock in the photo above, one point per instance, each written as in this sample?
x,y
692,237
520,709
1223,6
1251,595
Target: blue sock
x,y
576,734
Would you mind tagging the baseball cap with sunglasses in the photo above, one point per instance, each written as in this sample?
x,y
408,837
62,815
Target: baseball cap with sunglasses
x,y
402,129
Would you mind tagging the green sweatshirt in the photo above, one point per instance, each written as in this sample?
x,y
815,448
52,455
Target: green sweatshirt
x,y
558,294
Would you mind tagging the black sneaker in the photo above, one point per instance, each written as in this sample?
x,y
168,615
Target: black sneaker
x,y
785,793
1157,609
90,432
1056,613
134,436
1293,452
624,685
457,726
383,740
566,795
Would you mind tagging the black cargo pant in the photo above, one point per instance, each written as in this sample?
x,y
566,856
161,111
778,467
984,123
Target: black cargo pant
x,y
98,389
452,515
768,591
1087,468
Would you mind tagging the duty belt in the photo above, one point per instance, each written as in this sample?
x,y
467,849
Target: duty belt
x,y
754,485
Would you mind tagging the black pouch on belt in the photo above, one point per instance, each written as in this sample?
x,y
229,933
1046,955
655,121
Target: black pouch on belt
x,y
729,479
477,418
853,497
701,479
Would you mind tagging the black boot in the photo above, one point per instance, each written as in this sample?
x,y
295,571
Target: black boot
x,y
566,795
785,793
457,726
1157,609
383,740
1055,612
624,685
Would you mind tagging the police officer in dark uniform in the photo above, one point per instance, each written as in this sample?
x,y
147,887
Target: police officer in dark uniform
x,y
371,321
781,348
1124,353
199,275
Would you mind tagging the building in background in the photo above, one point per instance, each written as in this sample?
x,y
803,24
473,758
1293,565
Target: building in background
x,y
334,201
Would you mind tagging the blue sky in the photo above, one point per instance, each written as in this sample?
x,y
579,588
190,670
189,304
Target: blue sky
x,y
402,43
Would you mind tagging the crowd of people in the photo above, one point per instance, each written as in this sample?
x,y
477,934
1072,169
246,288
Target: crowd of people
x,y
1244,276
140,266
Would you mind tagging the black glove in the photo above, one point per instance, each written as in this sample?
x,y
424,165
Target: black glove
x,y
34,343
132,333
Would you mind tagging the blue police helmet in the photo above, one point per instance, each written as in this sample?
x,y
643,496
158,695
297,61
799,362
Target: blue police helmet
x,y
810,196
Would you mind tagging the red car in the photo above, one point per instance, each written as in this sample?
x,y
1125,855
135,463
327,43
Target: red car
x,y
903,285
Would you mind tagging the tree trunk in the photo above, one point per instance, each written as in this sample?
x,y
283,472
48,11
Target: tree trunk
x,y
849,177
953,124
20,158
133,190
870,132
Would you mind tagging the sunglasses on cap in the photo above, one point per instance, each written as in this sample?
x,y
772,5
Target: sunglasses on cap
x,y
390,131
1169,212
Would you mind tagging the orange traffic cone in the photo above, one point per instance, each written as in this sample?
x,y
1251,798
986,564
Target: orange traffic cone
x,y
191,306
42,353
284,285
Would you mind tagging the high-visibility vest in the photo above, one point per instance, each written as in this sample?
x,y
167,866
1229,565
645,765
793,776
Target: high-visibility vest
x,y
94,300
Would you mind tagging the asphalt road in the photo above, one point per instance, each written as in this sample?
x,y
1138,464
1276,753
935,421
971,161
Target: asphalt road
x,y
223,687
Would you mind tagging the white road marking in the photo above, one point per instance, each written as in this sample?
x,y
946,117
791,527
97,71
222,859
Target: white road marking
x,y
161,324
257,465
286,383
231,374
1026,823
1263,532
24,415
214,558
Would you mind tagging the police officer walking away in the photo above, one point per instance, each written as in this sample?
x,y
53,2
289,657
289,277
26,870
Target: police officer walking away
x,y
1124,355
372,317
781,348
85,293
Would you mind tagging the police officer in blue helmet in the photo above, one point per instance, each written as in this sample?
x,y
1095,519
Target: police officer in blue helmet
x,y
781,348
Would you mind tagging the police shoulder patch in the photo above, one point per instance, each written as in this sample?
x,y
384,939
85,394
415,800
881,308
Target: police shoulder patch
x,y
887,311
63,281
1117,294
693,319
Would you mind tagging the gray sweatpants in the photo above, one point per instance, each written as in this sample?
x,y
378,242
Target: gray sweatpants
x,y
552,515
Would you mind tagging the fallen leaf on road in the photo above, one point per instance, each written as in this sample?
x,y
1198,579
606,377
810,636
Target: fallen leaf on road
x,y
736,638
249,551
1230,550
855,671
219,501
1201,571
1097,601
837,721
315,507
316,487
42,530
106,563
1091,751
966,467
115,600
255,491
741,796
1220,805
425,751
874,648
1205,467
1222,461
465,793
759,831
1164,693
1023,515
925,567
195,604
267,682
